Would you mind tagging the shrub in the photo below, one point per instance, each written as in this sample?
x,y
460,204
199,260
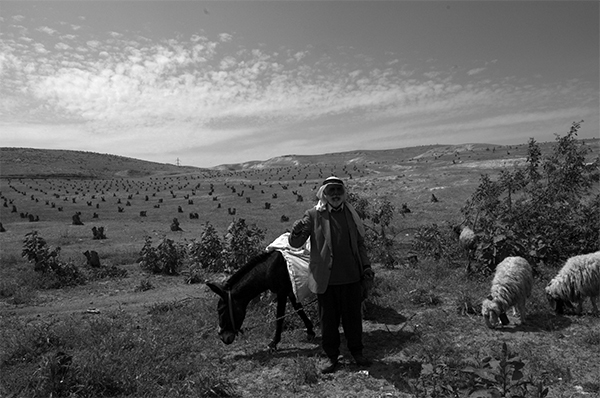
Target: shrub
x,y
243,242
167,258
438,243
544,211
208,252
47,262
377,215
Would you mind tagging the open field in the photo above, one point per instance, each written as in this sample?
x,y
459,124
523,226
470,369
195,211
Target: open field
x,y
421,328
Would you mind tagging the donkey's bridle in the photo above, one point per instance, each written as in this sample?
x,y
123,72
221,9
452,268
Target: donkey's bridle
x,y
231,318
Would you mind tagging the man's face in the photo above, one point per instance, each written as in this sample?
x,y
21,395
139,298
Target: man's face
x,y
335,195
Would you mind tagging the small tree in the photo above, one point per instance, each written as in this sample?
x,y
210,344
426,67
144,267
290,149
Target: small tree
x,y
377,215
243,242
437,242
545,211
208,252
47,261
167,258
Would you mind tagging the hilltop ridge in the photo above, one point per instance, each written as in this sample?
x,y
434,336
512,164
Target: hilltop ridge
x,y
45,163
40,163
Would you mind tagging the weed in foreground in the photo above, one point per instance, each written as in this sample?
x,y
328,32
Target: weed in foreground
x,y
465,304
144,285
423,297
305,371
503,377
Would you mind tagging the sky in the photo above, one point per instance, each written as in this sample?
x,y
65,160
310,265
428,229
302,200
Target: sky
x,y
206,83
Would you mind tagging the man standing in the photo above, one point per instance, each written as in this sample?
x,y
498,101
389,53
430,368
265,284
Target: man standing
x,y
338,264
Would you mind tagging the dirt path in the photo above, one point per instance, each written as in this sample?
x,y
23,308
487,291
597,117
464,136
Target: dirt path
x,y
102,298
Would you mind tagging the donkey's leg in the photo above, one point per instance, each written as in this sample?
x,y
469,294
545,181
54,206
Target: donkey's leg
x,y
281,302
310,333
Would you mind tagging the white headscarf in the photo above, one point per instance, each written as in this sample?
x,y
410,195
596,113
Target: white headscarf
x,y
322,203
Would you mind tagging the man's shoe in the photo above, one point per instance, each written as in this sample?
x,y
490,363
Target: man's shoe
x,y
361,360
331,368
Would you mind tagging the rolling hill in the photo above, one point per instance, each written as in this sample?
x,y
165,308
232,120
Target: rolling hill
x,y
43,163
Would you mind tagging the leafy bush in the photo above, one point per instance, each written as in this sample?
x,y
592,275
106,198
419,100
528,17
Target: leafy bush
x,y
167,258
243,242
377,215
46,261
437,242
545,211
207,253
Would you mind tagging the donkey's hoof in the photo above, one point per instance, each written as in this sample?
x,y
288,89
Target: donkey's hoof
x,y
311,336
272,347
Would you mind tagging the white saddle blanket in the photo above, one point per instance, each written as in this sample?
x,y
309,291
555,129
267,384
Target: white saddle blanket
x,y
297,264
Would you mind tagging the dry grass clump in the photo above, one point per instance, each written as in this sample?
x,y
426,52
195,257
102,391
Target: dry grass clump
x,y
113,355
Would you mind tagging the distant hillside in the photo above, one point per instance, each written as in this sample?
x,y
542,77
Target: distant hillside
x,y
388,158
342,158
367,157
39,163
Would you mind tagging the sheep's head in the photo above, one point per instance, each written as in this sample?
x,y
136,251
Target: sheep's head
x,y
554,304
457,230
558,305
492,314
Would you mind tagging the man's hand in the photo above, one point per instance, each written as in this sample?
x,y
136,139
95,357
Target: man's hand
x,y
368,274
298,227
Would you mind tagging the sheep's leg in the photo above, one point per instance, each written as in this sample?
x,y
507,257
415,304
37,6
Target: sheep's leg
x,y
522,312
468,255
594,305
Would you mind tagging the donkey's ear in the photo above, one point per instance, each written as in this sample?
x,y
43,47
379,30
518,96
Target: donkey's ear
x,y
216,288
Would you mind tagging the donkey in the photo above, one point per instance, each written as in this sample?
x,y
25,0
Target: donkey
x,y
267,271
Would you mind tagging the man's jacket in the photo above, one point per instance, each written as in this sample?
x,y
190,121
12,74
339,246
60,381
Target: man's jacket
x,y
316,225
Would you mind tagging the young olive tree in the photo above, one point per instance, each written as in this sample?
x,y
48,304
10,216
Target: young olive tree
x,y
207,254
167,258
546,211
377,215
242,242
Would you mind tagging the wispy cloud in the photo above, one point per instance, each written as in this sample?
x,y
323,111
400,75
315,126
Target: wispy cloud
x,y
135,96
475,71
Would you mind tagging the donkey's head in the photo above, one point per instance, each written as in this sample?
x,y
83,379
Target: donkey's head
x,y
231,313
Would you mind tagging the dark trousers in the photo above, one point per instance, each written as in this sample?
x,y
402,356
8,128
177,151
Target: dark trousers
x,y
341,302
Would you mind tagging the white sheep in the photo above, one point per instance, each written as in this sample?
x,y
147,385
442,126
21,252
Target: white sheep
x,y
467,240
578,278
511,287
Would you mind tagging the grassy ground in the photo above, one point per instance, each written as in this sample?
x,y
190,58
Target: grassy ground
x,y
155,336
421,331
